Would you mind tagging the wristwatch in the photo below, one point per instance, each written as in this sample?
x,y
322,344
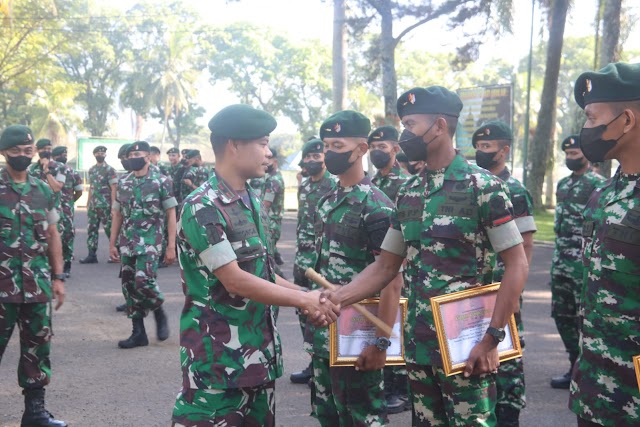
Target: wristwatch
x,y
383,343
498,334
59,277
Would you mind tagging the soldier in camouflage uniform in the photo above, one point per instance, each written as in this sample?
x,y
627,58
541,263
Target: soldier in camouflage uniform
x,y
452,219
154,156
70,193
230,349
492,142
273,201
143,198
316,183
572,195
351,221
196,174
102,181
604,390
31,254
47,170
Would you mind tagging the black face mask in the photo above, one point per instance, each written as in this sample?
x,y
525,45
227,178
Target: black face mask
x,y
595,148
337,163
380,159
99,159
313,168
415,147
19,163
412,168
270,169
62,160
126,164
45,154
575,164
136,163
486,160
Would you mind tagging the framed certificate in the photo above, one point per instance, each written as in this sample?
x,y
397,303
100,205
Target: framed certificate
x,y
461,320
352,332
636,364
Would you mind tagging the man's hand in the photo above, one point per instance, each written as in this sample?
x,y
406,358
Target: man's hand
x,y
58,292
44,162
170,255
187,182
114,255
320,311
371,359
483,358
330,296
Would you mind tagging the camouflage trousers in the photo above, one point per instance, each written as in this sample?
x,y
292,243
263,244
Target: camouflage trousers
x,y
97,216
565,305
165,240
34,322
453,401
67,235
231,407
510,379
139,285
344,397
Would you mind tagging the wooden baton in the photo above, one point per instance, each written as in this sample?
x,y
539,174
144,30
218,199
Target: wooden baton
x,y
316,277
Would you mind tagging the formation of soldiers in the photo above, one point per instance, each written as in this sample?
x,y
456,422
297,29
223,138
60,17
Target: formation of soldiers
x,y
428,223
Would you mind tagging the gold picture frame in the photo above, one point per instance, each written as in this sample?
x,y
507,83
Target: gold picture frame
x,y
461,320
636,364
344,349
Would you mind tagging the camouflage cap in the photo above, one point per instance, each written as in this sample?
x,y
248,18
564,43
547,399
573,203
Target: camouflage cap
x,y
122,151
429,100
58,151
191,154
173,150
15,135
43,142
312,146
241,121
616,82
494,130
346,124
572,141
101,148
384,133
139,146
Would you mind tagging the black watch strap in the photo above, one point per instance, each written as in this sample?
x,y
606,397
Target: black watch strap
x,y
498,334
59,277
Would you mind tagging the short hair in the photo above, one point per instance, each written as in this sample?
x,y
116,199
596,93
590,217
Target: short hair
x,y
154,150
218,142
619,107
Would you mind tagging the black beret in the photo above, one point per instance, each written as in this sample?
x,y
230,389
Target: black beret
x,y
384,133
43,142
617,82
572,141
191,154
122,151
346,124
241,121
312,146
99,148
429,100
154,149
173,150
57,151
493,130
401,157
184,151
15,135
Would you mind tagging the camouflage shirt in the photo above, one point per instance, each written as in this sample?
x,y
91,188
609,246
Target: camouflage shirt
x,y
101,177
274,193
72,183
390,184
226,341
572,195
350,225
177,172
143,201
198,176
55,170
451,223
26,211
257,184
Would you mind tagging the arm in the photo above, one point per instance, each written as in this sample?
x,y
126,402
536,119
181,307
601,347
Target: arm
x,y
286,284
113,192
55,185
116,223
170,255
528,245
54,253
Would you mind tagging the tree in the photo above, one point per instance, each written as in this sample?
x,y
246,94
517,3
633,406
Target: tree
x,y
339,55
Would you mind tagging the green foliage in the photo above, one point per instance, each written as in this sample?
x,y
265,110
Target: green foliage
x,y
544,222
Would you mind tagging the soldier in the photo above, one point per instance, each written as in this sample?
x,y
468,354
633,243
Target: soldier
x,y
230,348
273,201
46,170
604,391
350,222
317,183
572,195
122,156
102,180
492,142
154,157
452,219
195,174
69,195
403,161
28,236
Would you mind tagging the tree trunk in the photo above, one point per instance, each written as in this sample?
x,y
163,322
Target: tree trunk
x,y
388,63
139,125
339,55
545,131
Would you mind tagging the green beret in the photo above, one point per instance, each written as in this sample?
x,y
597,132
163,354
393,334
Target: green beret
x,y
616,82
191,154
401,157
99,148
241,121
43,142
123,150
139,146
312,146
173,150
15,135
346,124
184,151
492,131
154,149
429,100
57,151
384,133
572,141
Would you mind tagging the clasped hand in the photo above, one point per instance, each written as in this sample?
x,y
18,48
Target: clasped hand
x,y
320,311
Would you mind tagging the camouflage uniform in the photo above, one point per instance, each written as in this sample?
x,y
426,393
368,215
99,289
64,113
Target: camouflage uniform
x,y
390,184
257,184
572,195
55,169
274,193
350,224
451,222
26,210
198,176
72,183
604,389
229,345
142,201
101,177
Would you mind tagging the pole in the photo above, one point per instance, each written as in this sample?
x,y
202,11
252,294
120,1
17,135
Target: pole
x,y
525,147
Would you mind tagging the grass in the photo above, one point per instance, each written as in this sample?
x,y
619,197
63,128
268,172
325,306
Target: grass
x,y
544,222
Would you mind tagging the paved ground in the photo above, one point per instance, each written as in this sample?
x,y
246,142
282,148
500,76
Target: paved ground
x,y
96,384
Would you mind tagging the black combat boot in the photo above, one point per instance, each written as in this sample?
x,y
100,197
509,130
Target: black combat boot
x,y
564,381
402,388
162,325
302,377
90,259
395,405
67,269
507,416
138,336
121,308
35,415
278,258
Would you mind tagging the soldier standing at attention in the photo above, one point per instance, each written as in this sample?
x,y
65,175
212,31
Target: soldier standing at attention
x,y
572,195
143,198
452,219
102,181
31,255
154,156
492,142
70,193
316,183
604,390
230,349
273,201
